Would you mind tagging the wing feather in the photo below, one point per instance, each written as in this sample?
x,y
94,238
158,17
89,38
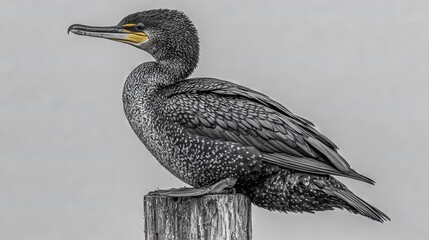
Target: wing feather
x,y
230,112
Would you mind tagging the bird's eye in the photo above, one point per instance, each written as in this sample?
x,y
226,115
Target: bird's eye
x,y
139,26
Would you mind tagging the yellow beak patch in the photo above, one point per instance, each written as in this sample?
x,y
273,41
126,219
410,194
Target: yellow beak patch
x,y
134,37
138,37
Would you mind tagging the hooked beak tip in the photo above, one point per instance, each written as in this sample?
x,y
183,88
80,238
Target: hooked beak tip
x,y
71,28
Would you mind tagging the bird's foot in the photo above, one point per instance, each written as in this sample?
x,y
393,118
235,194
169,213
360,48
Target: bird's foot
x,y
223,186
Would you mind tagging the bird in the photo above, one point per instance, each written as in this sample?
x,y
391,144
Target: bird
x,y
216,135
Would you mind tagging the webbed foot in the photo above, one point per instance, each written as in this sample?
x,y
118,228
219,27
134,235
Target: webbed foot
x,y
220,187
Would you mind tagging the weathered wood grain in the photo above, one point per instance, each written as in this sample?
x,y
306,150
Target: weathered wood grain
x,y
210,217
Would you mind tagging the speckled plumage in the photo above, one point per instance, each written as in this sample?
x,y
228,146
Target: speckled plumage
x,y
204,130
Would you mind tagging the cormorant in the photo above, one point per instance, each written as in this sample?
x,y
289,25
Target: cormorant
x,y
214,134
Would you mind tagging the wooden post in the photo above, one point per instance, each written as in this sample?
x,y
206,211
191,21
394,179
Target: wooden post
x,y
209,217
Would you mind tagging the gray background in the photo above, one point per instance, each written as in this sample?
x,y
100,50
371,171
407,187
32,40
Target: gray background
x,y
71,167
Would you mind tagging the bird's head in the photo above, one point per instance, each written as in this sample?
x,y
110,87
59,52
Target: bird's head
x,y
168,35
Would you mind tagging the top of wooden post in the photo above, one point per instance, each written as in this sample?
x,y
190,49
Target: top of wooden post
x,y
209,217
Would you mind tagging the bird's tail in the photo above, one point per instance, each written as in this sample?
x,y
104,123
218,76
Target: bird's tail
x,y
287,191
360,206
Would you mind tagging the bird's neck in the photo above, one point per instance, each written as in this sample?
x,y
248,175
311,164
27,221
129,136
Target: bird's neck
x,y
164,73
177,63
177,69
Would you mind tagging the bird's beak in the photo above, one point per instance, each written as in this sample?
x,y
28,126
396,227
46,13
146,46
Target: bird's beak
x,y
116,33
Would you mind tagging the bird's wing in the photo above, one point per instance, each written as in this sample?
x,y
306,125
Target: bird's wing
x,y
222,110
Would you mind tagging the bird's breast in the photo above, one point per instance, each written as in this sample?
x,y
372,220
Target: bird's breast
x,y
141,106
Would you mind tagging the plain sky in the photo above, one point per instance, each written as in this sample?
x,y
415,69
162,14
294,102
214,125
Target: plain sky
x,y
71,167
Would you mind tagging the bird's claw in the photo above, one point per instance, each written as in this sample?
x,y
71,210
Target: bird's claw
x,y
224,186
